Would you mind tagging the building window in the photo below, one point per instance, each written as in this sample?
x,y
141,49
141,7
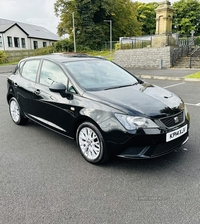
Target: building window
x,y
44,44
10,44
16,41
23,42
0,41
35,44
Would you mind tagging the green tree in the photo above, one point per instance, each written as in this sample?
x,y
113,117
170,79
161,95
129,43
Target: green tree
x,y
90,15
147,17
186,17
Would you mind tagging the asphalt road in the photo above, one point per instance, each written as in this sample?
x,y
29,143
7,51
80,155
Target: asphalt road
x,y
44,179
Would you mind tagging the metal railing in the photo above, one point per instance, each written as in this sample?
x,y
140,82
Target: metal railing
x,y
146,41
135,42
179,52
191,55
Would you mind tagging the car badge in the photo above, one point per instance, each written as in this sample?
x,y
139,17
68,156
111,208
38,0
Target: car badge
x,y
176,120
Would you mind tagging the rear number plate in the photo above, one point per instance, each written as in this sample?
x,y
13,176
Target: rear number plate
x,y
176,134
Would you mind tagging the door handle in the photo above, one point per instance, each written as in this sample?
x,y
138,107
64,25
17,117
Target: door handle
x,y
37,92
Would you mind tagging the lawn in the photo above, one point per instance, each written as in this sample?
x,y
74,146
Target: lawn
x,y
194,76
105,54
9,63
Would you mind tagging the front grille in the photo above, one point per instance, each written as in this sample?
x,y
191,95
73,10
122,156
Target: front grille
x,y
174,120
169,146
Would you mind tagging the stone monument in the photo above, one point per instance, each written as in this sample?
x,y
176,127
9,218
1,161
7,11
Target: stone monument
x,y
164,14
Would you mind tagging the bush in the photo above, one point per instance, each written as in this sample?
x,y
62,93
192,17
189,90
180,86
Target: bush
x,y
64,45
117,46
197,41
44,50
3,57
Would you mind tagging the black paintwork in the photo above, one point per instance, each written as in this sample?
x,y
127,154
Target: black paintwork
x,y
64,111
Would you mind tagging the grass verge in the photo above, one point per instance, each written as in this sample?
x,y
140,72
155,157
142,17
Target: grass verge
x,y
9,63
194,76
105,54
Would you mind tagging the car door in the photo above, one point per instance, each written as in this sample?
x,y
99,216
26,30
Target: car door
x,y
24,85
51,108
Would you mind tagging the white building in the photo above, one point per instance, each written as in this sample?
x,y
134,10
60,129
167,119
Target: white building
x,y
22,36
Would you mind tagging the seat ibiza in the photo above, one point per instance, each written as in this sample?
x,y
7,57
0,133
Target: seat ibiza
x,y
107,110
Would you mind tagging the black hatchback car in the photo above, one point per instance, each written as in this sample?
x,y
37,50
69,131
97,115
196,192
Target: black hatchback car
x,y
107,110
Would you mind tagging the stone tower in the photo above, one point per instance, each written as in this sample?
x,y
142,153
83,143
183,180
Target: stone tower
x,y
164,14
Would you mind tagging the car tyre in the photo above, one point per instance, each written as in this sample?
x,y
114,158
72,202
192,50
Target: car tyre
x,y
15,112
91,143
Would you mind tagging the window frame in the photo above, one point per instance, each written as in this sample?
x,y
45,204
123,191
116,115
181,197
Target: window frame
x,y
23,42
35,44
16,42
1,41
44,43
10,41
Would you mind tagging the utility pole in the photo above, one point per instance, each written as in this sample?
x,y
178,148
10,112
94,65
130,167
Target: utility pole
x,y
110,21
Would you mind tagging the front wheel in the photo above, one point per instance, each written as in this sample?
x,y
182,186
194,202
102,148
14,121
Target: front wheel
x,y
91,143
15,112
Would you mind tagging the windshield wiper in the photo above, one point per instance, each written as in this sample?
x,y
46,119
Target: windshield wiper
x,y
117,87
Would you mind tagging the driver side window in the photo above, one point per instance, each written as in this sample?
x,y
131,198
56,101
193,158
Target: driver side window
x,y
51,73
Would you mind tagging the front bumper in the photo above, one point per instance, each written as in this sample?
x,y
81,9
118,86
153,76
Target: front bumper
x,y
155,150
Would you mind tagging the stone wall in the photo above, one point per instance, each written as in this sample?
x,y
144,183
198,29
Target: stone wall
x,y
145,57
19,54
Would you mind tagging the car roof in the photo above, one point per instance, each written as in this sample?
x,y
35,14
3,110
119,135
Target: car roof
x,y
65,57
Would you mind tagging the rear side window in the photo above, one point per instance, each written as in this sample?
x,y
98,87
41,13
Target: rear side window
x,y
29,70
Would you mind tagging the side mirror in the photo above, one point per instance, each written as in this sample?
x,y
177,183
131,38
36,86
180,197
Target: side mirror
x,y
57,87
60,88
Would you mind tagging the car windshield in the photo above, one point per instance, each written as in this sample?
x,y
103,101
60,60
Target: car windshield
x,y
95,75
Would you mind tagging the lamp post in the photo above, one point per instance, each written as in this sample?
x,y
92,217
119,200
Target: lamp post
x,y
110,21
74,32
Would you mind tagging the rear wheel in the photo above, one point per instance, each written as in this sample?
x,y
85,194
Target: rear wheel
x,y
91,143
15,112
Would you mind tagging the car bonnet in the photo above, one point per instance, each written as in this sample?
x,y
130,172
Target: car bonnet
x,y
141,99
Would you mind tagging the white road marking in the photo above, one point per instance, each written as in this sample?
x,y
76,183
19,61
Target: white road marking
x,y
178,84
193,104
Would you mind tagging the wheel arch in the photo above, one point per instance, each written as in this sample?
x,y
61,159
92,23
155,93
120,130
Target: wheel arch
x,y
82,120
9,96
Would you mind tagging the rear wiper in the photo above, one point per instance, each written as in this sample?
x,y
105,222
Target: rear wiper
x,y
117,87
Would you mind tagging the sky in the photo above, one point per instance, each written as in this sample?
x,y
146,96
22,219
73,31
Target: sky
x,y
36,12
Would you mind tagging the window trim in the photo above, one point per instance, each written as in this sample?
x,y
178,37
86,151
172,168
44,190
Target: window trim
x,y
44,43
23,44
1,41
35,46
16,42
10,41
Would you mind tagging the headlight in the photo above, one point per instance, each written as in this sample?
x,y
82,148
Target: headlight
x,y
134,123
185,109
186,112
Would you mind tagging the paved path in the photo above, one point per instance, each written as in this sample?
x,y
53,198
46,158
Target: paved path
x,y
162,73
7,68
